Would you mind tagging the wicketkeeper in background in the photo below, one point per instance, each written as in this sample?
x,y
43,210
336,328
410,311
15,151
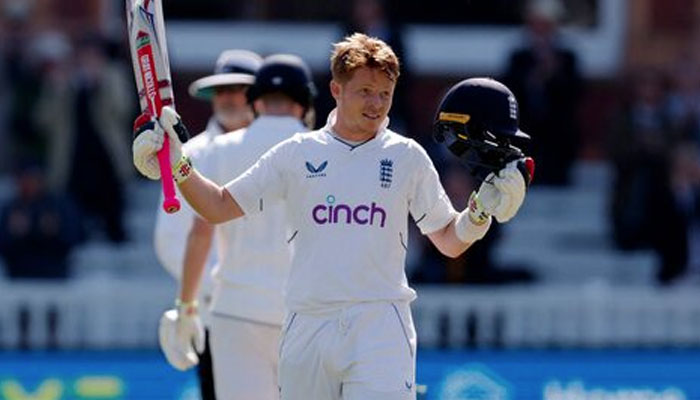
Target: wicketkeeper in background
x,y
183,238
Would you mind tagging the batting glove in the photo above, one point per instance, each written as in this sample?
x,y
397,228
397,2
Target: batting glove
x,y
177,134
181,336
500,195
148,140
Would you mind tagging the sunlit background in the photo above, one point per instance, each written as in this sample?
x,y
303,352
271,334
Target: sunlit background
x,y
590,293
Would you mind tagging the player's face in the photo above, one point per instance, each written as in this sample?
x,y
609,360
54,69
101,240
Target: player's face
x,y
231,106
363,101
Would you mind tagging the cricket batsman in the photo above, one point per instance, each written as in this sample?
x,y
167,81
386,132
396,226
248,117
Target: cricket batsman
x,y
348,190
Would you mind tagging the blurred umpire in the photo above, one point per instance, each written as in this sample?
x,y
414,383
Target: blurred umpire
x,y
181,238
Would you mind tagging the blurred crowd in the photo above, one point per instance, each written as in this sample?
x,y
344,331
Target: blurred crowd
x,y
654,146
67,102
65,116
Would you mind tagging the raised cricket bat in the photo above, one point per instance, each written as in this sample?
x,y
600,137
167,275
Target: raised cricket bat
x,y
149,56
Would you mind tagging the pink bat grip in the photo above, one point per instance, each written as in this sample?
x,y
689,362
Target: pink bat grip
x,y
171,204
155,104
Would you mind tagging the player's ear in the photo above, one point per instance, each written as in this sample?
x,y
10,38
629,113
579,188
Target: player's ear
x,y
259,106
336,88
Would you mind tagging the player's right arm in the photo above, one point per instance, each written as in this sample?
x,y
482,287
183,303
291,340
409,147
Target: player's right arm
x,y
212,202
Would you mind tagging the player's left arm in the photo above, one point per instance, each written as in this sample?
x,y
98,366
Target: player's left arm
x,y
500,196
199,240
447,242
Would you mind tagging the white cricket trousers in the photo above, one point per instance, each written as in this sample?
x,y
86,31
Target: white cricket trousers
x,y
363,352
245,358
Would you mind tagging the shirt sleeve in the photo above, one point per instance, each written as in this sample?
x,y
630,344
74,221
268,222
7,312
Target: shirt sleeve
x,y
265,179
428,203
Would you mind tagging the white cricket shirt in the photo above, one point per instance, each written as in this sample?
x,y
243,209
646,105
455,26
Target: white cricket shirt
x,y
348,208
254,256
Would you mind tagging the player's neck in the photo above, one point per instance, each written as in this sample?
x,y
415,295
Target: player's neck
x,y
230,127
347,134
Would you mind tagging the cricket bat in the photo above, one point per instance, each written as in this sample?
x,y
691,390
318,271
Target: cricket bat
x,y
149,57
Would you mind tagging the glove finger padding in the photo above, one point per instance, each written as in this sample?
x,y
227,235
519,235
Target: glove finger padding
x,y
511,185
185,347
199,343
488,195
145,146
177,355
190,331
177,133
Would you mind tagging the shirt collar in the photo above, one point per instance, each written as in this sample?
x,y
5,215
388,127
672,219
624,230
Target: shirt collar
x,y
333,115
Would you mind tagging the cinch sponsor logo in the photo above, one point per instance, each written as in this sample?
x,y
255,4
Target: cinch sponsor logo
x,y
331,213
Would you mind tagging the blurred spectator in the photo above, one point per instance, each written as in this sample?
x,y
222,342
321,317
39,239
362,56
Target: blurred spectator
x,y
37,229
370,17
475,266
639,144
21,85
545,78
652,191
684,98
685,188
85,116
684,114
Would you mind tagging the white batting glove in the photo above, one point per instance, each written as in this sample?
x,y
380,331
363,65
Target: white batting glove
x,y
500,195
181,336
148,140
171,122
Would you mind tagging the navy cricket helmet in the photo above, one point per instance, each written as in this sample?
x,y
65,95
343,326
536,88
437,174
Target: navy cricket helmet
x,y
477,120
287,74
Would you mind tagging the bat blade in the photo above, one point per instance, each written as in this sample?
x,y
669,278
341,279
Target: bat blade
x,y
147,36
149,55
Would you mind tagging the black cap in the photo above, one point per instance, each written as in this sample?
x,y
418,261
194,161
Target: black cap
x,y
484,102
287,74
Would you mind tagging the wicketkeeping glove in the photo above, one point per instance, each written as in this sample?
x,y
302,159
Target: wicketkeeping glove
x,y
181,336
